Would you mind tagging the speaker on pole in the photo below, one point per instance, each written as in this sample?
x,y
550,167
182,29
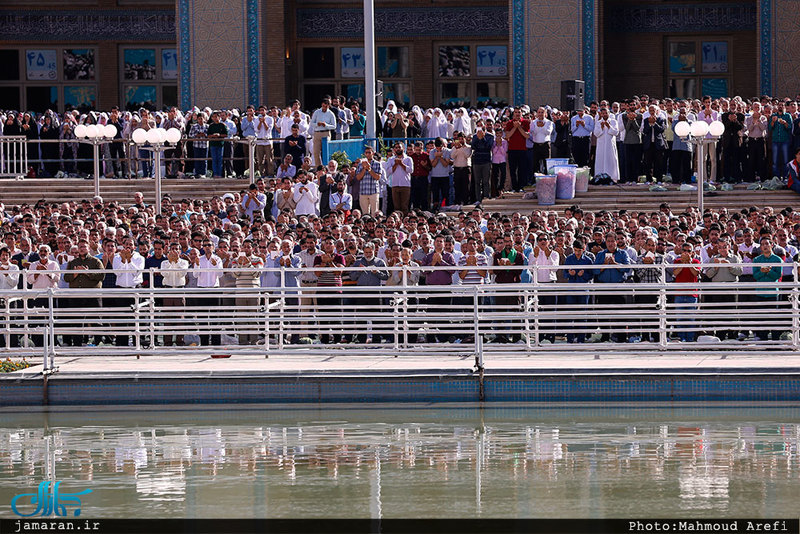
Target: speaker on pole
x,y
572,92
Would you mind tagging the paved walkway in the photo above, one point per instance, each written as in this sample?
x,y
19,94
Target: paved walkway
x,y
310,364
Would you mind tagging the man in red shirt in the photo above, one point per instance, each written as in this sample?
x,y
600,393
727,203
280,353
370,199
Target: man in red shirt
x,y
517,132
419,178
686,300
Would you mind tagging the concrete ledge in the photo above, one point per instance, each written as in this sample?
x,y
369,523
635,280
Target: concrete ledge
x,y
336,378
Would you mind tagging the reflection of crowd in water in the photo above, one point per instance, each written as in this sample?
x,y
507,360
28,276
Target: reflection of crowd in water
x,y
403,447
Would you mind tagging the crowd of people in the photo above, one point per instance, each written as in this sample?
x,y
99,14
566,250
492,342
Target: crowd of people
x,y
227,241
486,151
381,210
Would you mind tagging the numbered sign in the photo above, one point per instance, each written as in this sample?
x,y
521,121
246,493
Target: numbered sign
x,y
41,64
352,62
492,60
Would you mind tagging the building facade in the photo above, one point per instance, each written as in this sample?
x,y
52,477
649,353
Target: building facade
x,y
100,53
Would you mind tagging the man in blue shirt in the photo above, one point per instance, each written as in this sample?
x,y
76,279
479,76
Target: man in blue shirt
x,y
614,274
581,126
580,272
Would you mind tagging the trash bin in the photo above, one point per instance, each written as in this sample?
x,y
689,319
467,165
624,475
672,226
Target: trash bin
x,y
552,162
582,177
565,181
546,189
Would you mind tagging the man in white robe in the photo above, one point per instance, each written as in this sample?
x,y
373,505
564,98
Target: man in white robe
x,y
606,131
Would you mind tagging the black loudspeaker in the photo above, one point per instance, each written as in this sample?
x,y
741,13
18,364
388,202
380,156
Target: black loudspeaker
x,y
572,92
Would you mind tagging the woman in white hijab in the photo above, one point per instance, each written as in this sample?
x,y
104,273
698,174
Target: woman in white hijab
x,y
462,123
437,127
417,111
390,108
449,127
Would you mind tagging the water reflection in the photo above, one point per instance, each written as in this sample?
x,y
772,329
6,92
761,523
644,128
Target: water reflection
x,y
411,462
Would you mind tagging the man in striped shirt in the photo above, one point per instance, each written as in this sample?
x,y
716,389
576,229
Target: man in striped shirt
x,y
368,173
329,303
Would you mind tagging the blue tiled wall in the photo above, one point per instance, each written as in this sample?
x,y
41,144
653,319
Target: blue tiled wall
x,y
416,389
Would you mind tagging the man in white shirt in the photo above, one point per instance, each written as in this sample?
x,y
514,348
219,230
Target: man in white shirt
x,y
540,133
263,127
128,266
306,196
42,280
323,122
174,270
208,271
543,256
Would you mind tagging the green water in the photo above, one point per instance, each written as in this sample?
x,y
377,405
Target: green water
x,y
389,462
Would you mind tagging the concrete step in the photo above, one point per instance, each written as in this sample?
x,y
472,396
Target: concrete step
x,y
60,190
638,197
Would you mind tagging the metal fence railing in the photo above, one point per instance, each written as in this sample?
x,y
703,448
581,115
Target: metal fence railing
x,y
405,318
13,156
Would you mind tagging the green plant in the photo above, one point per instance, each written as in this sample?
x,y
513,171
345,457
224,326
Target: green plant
x,y
8,366
340,157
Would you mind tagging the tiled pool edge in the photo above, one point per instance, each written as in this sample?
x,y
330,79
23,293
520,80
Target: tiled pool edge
x,y
761,387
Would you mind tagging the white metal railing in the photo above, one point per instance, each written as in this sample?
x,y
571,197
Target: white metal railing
x,y
479,320
13,155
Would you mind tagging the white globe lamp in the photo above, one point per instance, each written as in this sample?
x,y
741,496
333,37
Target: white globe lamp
x,y
173,135
699,128
80,130
109,130
139,136
92,131
153,136
716,128
682,129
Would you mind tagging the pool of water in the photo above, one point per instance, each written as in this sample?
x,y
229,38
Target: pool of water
x,y
429,462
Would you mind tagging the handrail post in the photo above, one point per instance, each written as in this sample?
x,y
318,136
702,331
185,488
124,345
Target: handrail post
x,y
535,281
137,328
45,352
662,317
25,319
476,319
281,306
251,141
526,314
396,314
795,309
51,324
266,328
7,325
152,309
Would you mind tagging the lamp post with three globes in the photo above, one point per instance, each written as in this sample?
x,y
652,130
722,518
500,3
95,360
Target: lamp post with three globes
x,y
95,135
700,134
157,141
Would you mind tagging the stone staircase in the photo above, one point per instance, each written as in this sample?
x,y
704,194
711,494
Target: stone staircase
x,y
59,190
638,197
612,197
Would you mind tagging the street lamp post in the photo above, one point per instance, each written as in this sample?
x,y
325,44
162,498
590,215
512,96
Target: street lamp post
x,y
95,135
157,141
700,134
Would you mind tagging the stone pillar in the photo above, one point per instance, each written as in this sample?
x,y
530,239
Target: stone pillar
x,y
219,46
780,77
274,53
552,42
